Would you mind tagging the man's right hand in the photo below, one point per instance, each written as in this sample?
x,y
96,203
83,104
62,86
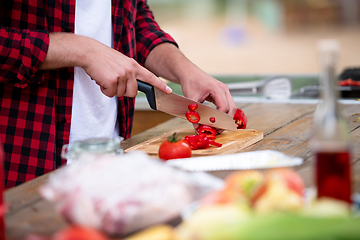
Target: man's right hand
x,y
115,73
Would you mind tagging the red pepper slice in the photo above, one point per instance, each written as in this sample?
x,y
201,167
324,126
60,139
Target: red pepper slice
x,y
208,136
210,132
212,119
240,119
192,142
197,141
192,106
192,116
212,142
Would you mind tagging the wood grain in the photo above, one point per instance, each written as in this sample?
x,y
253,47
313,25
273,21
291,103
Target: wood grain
x,y
232,142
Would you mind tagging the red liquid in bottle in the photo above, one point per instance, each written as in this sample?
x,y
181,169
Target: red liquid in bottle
x,y
2,205
333,177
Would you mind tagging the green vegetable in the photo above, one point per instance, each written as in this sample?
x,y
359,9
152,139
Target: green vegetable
x,y
299,227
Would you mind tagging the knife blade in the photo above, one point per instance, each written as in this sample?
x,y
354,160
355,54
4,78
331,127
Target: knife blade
x,y
177,106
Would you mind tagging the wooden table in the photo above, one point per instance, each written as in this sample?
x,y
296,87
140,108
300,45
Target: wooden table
x,y
286,127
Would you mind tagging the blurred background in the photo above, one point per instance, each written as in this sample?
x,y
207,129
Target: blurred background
x,y
260,36
249,40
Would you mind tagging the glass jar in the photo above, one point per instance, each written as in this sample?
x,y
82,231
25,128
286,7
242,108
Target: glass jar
x,y
93,146
331,141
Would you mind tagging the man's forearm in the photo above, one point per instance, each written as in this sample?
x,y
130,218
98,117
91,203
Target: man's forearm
x,y
66,50
167,61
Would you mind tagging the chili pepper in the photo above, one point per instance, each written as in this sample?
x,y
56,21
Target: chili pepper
x,y
212,142
192,106
205,129
212,119
240,119
192,116
197,141
191,141
208,136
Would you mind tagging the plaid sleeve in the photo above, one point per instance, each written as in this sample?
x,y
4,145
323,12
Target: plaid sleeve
x,y
21,54
148,32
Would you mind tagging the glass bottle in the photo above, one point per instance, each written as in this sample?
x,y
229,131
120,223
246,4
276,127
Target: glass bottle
x,y
2,204
330,141
92,146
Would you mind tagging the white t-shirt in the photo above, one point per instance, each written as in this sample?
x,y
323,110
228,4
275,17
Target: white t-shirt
x,y
93,113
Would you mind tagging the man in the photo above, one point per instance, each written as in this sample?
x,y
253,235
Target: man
x,y
68,71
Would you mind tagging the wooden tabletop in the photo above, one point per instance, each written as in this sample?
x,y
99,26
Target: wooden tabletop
x,y
286,127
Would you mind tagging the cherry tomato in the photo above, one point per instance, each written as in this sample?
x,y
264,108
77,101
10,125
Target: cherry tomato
x,y
174,148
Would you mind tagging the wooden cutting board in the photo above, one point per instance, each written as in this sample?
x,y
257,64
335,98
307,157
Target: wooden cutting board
x,y
232,142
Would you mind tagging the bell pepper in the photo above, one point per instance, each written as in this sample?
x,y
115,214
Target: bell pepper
x,y
212,119
210,132
192,116
240,119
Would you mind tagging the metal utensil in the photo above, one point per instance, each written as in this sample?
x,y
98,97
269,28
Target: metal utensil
x,y
313,91
273,87
177,106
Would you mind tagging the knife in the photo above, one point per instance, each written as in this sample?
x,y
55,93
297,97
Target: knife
x,y
177,106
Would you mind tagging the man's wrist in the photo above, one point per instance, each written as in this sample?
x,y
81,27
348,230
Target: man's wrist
x,y
66,50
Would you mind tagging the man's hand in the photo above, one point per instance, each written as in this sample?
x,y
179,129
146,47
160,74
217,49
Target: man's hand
x,y
167,61
115,73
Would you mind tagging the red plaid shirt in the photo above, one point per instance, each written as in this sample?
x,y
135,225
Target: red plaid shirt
x,y
35,106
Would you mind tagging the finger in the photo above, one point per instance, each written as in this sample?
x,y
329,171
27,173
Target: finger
x,y
110,92
108,88
221,102
121,87
231,103
145,75
131,87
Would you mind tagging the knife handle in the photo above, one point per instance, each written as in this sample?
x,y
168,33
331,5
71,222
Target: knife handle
x,y
148,89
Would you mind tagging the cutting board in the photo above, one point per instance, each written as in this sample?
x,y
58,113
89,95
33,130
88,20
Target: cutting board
x,y
232,142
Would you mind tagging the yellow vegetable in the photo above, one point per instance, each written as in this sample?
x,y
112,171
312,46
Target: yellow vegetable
x,y
157,232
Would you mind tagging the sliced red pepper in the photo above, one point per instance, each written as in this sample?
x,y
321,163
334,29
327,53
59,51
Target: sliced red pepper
x,y
205,129
192,106
240,119
212,142
212,119
192,116
192,142
197,141
208,136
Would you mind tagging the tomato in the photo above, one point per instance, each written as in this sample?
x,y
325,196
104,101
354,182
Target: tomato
x,y
75,232
174,148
